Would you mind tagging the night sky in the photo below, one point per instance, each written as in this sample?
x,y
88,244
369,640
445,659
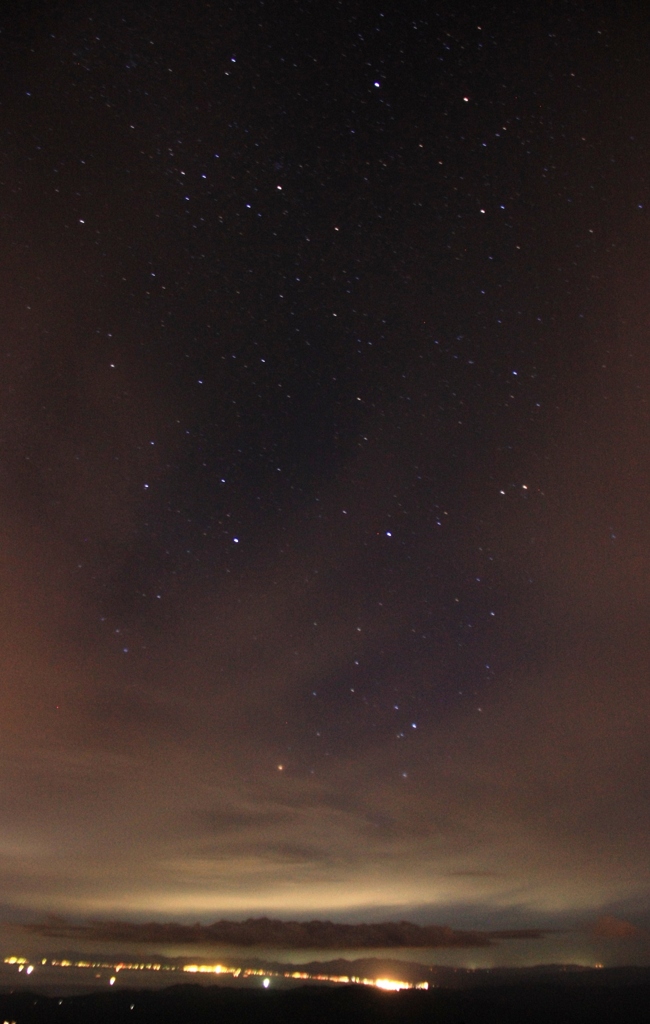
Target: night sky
x,y
325,462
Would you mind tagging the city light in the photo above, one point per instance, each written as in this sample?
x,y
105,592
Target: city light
x,y
385,984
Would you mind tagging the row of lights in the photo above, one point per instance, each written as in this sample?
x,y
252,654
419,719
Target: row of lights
x,y
387,984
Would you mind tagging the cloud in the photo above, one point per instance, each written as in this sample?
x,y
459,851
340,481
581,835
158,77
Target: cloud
x,y
264,931
473,874
607,927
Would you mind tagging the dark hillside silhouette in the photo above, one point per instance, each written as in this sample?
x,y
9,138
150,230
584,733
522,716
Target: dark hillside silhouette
x,y
550,1003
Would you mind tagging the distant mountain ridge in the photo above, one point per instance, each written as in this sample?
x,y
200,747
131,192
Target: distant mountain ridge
x,y
372,968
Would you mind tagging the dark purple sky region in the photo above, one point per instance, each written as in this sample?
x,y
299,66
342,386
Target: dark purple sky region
x,y
325,463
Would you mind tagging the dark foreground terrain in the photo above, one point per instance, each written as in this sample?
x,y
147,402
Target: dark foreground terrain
x,y
539,1003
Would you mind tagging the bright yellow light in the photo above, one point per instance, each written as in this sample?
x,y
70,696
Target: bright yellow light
x,y
391,986
207,969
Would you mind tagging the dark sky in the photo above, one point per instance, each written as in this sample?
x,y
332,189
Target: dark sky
x,y
325,461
